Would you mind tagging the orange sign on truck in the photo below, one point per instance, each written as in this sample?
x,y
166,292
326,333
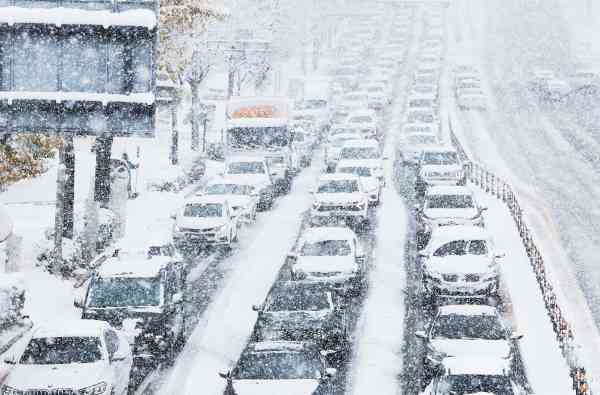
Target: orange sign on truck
x,y
259,111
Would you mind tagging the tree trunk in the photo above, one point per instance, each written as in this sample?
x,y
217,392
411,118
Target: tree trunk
x,y
195,126
69,190
102,176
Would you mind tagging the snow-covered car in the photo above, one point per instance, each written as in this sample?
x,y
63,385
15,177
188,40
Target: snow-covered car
x,y
281,168
447,206
302,311
334,146
555,89
317,106
468,99
256,171
242,197
422,101
410,146
303,144
474,375
70,357
367,176
280,367
439,166
421,116
205,220
364,153
460,262
421,128
378,95
462,330
365,120
331,255
340,198
143,298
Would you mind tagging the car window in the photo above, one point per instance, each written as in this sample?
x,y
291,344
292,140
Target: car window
x,y
449,201
455,326
326,248
457,247
203,210
338,186
478,247
112,342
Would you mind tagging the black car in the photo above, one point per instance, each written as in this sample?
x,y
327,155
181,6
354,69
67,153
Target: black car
x,y
144,298
302,311
281,367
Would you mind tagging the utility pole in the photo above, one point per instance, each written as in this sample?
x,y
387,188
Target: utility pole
x,y
59,217
68,159
102,176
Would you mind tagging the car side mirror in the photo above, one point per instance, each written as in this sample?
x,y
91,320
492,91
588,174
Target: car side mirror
x,y
225,375
421,335
291,258
178,298
516,336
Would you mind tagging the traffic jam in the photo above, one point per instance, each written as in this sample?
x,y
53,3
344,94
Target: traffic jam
x,y
135,307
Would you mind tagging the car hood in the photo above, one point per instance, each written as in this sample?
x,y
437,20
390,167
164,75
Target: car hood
x,y
440,168
460,213
74,376
326,264
275,387
466,347
460,264
257,180
338,198
200,222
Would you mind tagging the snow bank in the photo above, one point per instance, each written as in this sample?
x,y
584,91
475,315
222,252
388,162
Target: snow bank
x,y
70,16
546,368
12,299
104,98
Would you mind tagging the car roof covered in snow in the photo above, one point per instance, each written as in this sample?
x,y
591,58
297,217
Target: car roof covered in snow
x,y
467,309
71,328
366,143
280,345
134,268
321,233
337,177
206,199
444,234
448,190
476,365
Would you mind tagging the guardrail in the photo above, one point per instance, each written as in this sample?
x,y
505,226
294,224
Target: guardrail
x,y
496,186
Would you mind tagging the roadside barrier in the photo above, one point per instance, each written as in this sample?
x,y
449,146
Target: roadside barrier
x,y
496,186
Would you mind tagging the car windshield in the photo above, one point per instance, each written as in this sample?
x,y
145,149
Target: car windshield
x,y
449,201
252,137
62,350
203,210
475,384
227,189
298,299
423,117
278,366
359,153
124,292
440,158
359,171
246,168
361,119
463,247
314,104
338,186
326,248
456,326
421,140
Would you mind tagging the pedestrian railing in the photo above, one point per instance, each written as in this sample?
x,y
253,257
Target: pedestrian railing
x,y
496,186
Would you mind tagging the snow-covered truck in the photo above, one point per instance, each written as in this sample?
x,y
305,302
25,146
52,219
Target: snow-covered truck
x,y
261,126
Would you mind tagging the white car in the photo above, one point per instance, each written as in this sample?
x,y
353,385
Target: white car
x,y
410,146
368,178
332,255
334,146
462,330
379,95
471,99
439,166
205,220
253,170
340,197
364,153
474,375
242,197
460,262
422,101
447,206
319,107
73,357
421,116
353,101
365,120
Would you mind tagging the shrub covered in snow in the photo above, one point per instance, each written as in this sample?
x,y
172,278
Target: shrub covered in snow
x,y
12,300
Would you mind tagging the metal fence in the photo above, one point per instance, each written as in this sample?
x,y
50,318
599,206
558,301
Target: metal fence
x,y
496,186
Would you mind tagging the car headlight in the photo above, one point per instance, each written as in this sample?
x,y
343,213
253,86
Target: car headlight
x,y
6,390
96,389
